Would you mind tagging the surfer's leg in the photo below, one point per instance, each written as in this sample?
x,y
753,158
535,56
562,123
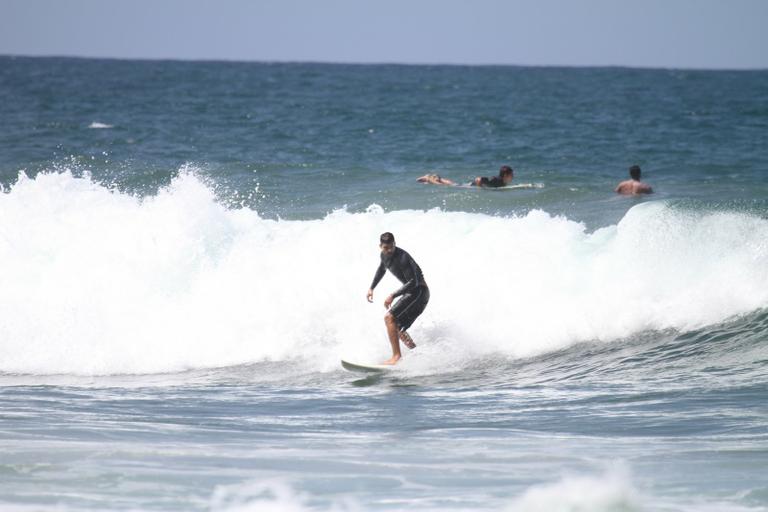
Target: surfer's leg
x,y
427,178
406,310
407,340
435,179
391,324
400,312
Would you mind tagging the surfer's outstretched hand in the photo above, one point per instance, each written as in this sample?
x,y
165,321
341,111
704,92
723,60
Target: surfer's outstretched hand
x,y
370,296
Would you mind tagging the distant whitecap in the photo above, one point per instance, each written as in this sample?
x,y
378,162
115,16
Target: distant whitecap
x,y
100,125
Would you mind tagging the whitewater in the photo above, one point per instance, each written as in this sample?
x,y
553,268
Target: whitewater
x,y
100,282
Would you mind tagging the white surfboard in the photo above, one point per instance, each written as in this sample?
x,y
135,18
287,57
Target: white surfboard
x,y
366,368
507,187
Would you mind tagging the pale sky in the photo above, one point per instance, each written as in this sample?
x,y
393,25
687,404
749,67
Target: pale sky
x,y
720,34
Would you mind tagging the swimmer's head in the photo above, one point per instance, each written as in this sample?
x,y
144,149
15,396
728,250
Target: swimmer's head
x,y
634,172
506,173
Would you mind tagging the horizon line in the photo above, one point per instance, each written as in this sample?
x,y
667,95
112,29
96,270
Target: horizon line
x,y
376,63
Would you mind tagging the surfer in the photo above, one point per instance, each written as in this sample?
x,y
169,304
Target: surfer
x,y
634,186
414,294
506,173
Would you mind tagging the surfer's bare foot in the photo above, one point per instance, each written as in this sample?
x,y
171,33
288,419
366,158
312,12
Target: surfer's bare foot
x,y
392,360
407,340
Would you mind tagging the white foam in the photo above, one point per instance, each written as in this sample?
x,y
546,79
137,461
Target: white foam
x,y
96,125
609,492
269,495
99,282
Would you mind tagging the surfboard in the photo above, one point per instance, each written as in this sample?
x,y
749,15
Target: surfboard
x,y
508,187
366,368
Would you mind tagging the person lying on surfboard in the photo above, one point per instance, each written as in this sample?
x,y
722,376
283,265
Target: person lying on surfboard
x,y
506,173
414,294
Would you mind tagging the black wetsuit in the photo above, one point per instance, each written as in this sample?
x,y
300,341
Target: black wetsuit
x,y
415,293
494,182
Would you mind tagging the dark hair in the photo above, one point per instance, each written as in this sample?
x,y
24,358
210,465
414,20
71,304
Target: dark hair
x,y
505,169
387,238
634,172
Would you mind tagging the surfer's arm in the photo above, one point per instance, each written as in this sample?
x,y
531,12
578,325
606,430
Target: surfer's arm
x,y
379,274
407,286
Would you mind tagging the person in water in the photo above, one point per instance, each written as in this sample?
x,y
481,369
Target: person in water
x,y
634,186
506,173
414,294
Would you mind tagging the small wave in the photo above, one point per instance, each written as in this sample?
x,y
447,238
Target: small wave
x,y
96,125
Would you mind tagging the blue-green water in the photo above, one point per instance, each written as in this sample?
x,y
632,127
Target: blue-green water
x,y
186,248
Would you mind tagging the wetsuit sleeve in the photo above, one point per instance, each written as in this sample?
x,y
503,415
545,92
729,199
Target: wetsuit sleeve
x,y
407,286
402,289
413,282
379,274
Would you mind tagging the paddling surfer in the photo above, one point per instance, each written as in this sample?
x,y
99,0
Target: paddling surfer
x,y
414,294
506,173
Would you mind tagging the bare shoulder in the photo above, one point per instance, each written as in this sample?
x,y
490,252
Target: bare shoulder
x,y
644,188
625,187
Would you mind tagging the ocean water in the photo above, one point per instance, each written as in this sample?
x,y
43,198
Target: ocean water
x,y
186,246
